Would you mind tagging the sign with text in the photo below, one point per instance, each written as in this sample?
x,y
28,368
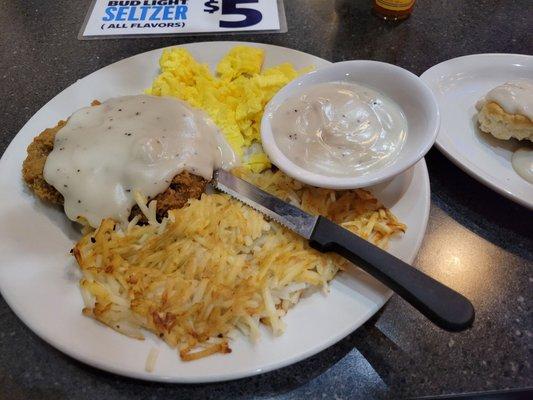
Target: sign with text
x,y
112,18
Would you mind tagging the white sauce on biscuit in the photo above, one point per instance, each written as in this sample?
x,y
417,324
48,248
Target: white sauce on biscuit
x,y
133,143
514,97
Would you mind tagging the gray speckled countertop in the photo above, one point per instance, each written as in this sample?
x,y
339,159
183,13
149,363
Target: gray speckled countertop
x,y
472,230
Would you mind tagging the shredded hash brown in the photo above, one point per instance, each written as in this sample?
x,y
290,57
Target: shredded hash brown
x,y
217,266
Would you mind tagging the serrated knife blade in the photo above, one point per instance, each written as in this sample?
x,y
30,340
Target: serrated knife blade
x,y
286,214
440,304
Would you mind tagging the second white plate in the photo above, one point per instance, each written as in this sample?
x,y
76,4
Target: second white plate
x,y
458,84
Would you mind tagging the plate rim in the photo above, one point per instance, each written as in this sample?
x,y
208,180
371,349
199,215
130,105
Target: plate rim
x,y
141,375
464,164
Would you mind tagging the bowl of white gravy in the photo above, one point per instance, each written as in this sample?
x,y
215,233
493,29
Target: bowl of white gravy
x,y
352,124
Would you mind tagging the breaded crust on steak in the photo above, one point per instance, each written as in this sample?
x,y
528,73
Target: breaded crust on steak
x,y
183,187
33,165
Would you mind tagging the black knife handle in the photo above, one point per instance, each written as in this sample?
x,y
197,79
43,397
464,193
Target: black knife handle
x,y
440,304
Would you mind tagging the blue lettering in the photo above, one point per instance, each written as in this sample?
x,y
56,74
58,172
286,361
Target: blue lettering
x,y
144,11
157,11
121,14
167,13
109,16
131,15
181,12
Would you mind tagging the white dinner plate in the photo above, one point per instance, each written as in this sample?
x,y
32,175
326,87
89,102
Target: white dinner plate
x,y
458,84
39,279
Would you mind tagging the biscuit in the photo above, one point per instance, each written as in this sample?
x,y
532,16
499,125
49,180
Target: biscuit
x,y
494,120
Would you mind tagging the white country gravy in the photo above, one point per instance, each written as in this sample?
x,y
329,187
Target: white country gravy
x,y
522,162
134,143
514,97
339,129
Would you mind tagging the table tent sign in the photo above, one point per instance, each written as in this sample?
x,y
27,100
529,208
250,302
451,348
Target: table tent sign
x,y
134,18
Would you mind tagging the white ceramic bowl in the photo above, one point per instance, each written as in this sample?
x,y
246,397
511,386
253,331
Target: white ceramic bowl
x,y
405,88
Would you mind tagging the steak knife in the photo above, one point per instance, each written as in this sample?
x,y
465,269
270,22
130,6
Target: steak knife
x,y
440,304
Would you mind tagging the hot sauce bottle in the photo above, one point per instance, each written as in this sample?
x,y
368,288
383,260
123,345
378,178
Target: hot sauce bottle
x,y
393,10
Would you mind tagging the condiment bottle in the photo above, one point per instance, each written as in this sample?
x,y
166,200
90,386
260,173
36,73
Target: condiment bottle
x,y
393,10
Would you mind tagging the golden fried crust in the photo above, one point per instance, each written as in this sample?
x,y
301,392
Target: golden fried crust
x,y
183,187
33,165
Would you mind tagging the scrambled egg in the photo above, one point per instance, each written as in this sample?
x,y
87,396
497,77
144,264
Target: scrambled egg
x,y
235,98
